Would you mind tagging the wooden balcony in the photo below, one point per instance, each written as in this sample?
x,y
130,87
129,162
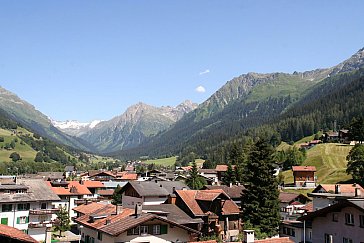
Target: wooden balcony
x,y
43,211
86,200
34,225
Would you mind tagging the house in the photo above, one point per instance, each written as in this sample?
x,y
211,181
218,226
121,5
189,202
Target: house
x,y
94,187
296,231
97,175
132,225
221,170
331,137
69,170
27,206
50,176
233,191
219,213
149,192
340,222
291,205
344,136
304,176
71,193
210,175
327,194
12,235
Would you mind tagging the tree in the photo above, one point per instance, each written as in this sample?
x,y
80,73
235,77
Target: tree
x,y
116,196
355,160
62,222
229,176
293,156
356,130
260,204
15,156
2,139
12,144
195,181
38,157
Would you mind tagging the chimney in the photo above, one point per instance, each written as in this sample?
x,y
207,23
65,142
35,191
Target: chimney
x,y
357,192
230,184
108,221
248,236
337,189
119,209
138,210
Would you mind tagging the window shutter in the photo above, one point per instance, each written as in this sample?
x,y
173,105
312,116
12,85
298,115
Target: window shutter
x,y
18,220
27,220
164,229
150,229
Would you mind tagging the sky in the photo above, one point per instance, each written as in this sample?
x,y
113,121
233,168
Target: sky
x,y
87,60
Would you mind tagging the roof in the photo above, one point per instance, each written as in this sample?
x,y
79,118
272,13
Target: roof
x,y
205,241
191,198
93,173
356,203
223,168
304,168
69,168
287,197
233,191
155,188
108,192
94,208
74,188
345,189
119,223
37,191
16,234
114,184
51,175
172,212
129,176
93,184
308,207
186,168
207,171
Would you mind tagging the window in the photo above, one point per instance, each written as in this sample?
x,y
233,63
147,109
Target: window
x,y
156,229
92,240
143,229
23,206
134,231
347,240
43,206
361,220
99,235
349,219
328,238
4,221
335,217
7,207
22,220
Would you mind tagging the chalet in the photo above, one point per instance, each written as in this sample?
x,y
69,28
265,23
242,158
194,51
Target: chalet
x,y
27,206
71,193
69,170
210,175
94,187
129,225
233,191
340,222
344,136
219,213
221,170
328,194
331,137
291,205
304,176
149,192
101,175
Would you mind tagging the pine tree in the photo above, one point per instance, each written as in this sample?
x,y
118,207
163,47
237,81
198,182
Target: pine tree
x,y
62,223
229,176
195,181
116,196
260,204
355,160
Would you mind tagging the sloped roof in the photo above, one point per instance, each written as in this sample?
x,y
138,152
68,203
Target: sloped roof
x,y
286,197
129,176
155,188
276,240
223,168
108,192
15,234
308,207
74,188
93,184
37,191
191,198
94,207
234,191
345,189
304,168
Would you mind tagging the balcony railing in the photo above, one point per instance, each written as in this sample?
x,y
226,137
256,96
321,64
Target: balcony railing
x,y
43,211
88,200
39,224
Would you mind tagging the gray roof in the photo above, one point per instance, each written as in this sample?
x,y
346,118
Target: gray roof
x,y
172,212
156,188
37,191
114,184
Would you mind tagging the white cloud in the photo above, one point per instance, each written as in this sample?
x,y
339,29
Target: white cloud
x,y
200,89
204,72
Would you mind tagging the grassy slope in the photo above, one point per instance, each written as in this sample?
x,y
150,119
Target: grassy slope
x,y
26,152
330,162
170,161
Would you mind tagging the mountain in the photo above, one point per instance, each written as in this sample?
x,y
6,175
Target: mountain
x,y
75,128
136,124
29,117
243,103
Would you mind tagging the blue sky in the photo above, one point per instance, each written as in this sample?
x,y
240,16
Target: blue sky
x,y
90,60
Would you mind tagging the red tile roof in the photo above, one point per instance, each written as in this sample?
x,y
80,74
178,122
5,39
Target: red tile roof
x,y
107,192
304,168
286,197
74,188
205,241
94,207
223,168
276,240
344,188
93,184
15,234
308,207
129,177
191,198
